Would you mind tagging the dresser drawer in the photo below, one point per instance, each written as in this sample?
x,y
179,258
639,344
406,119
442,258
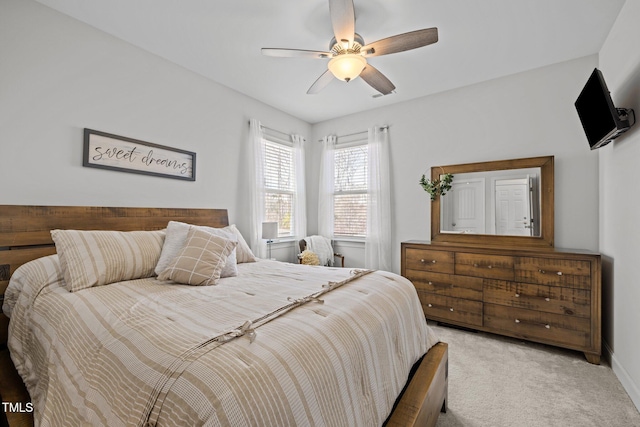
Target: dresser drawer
x,y
566,331
488,266
457,310
554,272
429,260
446,284
549,299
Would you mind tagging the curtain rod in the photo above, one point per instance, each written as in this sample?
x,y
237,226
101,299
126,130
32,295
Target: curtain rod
x,y
272,130
358,133
276,130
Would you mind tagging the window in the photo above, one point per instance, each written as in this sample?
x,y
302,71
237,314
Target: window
x,y
279,183
350,191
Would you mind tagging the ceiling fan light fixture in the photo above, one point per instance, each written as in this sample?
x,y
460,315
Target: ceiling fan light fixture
x,y
348,51
347,67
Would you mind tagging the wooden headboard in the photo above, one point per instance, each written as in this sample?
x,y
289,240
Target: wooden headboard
x,y
25,230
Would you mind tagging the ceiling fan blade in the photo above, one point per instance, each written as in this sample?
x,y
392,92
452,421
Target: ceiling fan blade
x,y
321,83
343,19
401,42
295,53
377,80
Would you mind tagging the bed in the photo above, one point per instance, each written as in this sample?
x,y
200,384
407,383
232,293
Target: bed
x,y
341,350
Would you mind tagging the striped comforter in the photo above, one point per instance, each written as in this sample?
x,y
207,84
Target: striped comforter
x,y
140,352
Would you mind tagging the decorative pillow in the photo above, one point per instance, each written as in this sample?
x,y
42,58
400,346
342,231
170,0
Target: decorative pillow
x,y
201,260
244,252
177,237
95,258
309,258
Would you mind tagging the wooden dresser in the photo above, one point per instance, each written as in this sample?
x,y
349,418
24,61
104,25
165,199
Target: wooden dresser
x,y
550,296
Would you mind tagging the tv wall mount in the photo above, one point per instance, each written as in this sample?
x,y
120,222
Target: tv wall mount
x,y
627,119
627,114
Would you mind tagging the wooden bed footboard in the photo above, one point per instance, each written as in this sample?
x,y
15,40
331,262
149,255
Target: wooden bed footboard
x,y
426,393
25,235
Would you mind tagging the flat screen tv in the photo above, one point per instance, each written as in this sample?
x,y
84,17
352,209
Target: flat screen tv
x,y
602,122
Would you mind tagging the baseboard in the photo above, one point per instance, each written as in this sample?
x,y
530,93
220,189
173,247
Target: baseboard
x,y
629,386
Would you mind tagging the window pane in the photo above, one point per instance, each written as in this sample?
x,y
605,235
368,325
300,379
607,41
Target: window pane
x,y
350,209
351,169
278,166
279,185
350,215
278,208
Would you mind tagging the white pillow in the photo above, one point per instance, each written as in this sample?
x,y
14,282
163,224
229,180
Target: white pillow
x,y
244,252
176,238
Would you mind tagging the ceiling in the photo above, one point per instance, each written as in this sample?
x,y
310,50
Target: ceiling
x,y
479,40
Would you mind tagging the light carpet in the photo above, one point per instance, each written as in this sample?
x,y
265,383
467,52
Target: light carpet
x,y
497,381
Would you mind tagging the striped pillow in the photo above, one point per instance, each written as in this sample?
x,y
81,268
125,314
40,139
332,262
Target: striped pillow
x,y
95,258
201,259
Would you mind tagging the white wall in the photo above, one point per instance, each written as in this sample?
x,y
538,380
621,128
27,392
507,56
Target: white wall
x,y
620,203
522,115
58,76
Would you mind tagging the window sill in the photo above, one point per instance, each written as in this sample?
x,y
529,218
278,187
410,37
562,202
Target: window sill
x,y
349,239
284,240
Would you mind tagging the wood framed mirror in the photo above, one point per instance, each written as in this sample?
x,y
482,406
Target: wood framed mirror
x,y
504,203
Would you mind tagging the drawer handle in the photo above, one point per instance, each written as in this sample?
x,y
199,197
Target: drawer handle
x,y
433,261
441,285
488,266
546,325
431,306
546,299
559,273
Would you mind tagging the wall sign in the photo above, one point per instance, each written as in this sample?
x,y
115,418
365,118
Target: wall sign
x,y
106,151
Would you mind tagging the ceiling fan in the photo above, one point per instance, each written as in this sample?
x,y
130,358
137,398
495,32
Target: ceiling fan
x,y
349,53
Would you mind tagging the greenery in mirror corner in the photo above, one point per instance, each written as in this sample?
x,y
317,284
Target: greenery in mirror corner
x,y
436,188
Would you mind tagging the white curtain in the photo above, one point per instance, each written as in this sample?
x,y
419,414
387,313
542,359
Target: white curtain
x,y
325,193
378,245
255,170
300,202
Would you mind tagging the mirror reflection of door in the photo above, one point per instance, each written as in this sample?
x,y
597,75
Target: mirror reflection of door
x,y
513,207
466,213
464,218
